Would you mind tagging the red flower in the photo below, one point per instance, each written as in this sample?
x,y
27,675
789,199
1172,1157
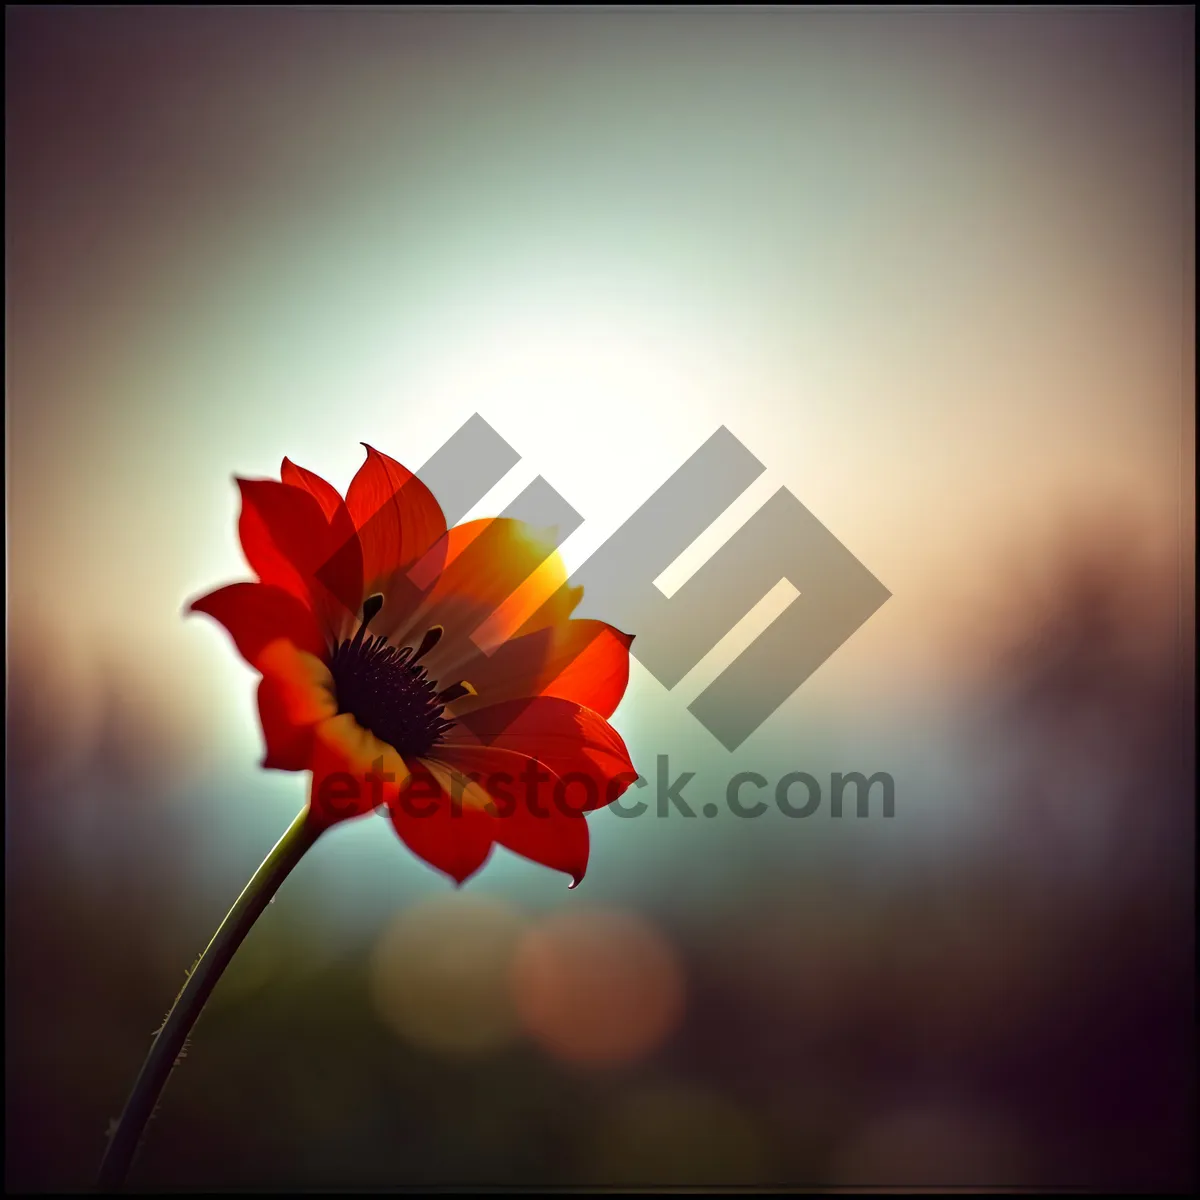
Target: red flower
x,y
435,672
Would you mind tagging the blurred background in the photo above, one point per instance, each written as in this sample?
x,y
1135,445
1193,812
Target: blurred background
x,y
934,268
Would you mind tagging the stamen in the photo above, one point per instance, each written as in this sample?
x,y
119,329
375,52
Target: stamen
x,y
371,606
431,639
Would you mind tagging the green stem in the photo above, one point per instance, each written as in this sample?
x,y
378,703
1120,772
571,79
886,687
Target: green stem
x,y
155,1071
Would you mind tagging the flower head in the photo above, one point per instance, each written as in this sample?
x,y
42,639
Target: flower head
x,y
436,674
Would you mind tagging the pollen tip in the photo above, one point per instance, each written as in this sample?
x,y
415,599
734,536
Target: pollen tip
x,y
456,691
371,606
433,635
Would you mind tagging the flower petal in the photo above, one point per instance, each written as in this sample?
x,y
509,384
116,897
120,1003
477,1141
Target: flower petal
x,y
532,812
439,818
283,533
584,661
560,841
597,672
497,576
341,573
325,494
287,541
353,771
396,515
256,614
295,695
575,743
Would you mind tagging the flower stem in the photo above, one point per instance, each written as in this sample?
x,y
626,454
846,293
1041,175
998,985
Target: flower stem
x,y
155,1071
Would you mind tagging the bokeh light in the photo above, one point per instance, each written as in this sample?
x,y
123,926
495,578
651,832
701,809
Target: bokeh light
x,y
597,988
439,975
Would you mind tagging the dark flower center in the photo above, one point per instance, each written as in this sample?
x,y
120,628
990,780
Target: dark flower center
x,y
387,691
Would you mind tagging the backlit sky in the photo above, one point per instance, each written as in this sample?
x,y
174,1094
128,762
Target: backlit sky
x,y
931,267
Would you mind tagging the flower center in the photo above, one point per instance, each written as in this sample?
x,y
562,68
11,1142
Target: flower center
x,y
387,691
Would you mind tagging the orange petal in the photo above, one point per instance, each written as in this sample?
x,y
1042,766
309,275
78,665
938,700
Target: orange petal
x,y
438,818
256,614
353,771
597,672
532,812
574,743
396,516
497,575
584,661
295,695
545,598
